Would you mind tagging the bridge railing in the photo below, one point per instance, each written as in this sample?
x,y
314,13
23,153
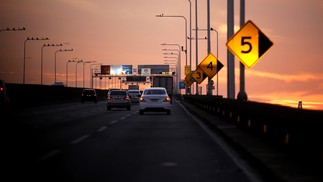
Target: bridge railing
x,y
299,131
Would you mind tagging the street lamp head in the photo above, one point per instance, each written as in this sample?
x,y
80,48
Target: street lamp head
x,y
161,15
37,38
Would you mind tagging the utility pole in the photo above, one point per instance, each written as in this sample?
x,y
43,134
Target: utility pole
x,y
242,95
230,56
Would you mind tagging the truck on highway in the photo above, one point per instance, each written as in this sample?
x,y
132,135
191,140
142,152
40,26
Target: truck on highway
x,y
133,87
166,82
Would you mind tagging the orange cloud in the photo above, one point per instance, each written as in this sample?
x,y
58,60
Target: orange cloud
x,y
303,77
311,97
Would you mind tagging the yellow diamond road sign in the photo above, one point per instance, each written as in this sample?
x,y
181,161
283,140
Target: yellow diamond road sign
x,y
187,69
210,65
249,44
198,75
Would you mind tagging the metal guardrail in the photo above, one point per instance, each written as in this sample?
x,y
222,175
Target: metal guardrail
x,y
296,130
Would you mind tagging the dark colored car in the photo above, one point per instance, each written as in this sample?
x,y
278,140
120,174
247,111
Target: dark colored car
x,y
118,99
134,95
89,95
4,99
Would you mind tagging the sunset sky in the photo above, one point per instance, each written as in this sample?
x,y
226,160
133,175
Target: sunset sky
x,y
114,32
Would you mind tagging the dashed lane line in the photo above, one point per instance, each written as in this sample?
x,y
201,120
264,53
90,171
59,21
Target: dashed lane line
x,y
80,139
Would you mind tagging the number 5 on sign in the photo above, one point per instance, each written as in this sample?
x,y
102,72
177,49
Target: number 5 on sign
x,y
249,44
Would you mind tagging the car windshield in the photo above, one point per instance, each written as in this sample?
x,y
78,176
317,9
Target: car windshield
x,y
118,92
155,92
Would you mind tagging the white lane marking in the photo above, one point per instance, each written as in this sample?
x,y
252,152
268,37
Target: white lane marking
x,y
102,128
248,170
78,140
47,156
112,122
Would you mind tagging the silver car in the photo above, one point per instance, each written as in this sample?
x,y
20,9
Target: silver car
x,y
134,95
154,99
118,99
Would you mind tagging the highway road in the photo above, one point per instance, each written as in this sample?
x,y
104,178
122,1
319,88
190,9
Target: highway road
x,y
85,142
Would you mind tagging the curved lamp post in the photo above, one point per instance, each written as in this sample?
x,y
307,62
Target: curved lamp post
x,y
24,64
178,16
91,73
217,55
84,71
61,50
179,65
77,62
41,59
69,61
179,56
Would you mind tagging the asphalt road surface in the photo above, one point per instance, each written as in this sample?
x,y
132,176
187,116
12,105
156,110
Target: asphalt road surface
x,y
85,142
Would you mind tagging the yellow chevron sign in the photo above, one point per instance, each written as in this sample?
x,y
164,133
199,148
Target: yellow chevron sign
x,y
249,44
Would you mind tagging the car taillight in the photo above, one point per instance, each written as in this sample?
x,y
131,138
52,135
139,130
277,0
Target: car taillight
x,y
141,99
167,99
126,98
109,98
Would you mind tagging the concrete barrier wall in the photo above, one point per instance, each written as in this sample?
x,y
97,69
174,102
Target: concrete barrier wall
x,y
299,131
34,95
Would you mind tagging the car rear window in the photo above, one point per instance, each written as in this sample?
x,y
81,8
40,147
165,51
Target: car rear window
x,y
118,92
155,92
88,91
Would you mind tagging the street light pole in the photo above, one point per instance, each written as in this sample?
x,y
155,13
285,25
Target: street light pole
x,y
190,36
196,42
242,95
61,50
69,61
80,61
162,15
190,90
209,86
179,58
178,67
41,61
24,64
84,71
91,73
217,55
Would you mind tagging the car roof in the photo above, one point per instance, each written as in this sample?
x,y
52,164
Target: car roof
x,y
118,91
156,88
88,89
133,90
